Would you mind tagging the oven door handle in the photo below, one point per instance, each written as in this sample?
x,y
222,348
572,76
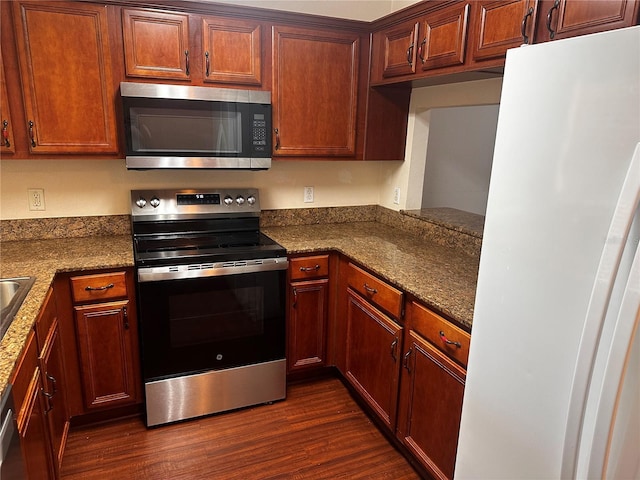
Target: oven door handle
x,y
180,272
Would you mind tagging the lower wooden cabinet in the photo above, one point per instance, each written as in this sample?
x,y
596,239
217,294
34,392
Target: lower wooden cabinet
x,y
373,356
430,406
30,407
308,313
53,379
100,337
107,361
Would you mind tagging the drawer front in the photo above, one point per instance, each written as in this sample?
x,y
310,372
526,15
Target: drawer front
x,y
45,319
304,268
376,291
100,287
440,332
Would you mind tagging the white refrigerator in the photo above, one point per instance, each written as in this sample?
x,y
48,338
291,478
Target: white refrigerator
x,y
553,380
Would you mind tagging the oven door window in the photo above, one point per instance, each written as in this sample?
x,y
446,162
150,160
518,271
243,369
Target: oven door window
x,y
194,325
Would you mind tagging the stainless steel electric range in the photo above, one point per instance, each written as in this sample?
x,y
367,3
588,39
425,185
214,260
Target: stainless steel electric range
x,y
211,300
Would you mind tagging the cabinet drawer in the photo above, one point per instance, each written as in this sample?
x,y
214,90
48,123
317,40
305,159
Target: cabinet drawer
x,y
45,319
99,287
376,291
440,332
309,267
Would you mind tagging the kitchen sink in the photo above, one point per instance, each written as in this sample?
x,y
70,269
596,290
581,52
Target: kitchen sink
x,y
12,293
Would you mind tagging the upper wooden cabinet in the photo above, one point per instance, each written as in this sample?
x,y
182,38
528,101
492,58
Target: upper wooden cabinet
x,y
435,40
315,92
459,37
570,18
500,25
397,47
444,37
67,81
159,45
232,51
156,44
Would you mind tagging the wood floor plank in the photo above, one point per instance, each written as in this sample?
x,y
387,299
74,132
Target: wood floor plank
x,y
318,432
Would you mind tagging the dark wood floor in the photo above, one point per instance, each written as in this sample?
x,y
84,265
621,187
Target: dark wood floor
x,y
318,432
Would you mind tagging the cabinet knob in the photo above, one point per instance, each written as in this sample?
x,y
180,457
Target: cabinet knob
x,y
5,133
444,338
421,49
370,290
410,54
310,269
552,32
32,134
89,288
405,362
523,27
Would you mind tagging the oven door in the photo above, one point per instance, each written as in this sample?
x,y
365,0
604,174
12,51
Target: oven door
x,y
211,323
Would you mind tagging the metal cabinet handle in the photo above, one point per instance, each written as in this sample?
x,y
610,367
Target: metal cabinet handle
x,y
370,289
409,54
89,288
523,27
444,338
405,361
552,32
310,269
49,397
5,133
52,379
125,314
421,49
207,63
394,346
277,146
186,57
295,297
31,134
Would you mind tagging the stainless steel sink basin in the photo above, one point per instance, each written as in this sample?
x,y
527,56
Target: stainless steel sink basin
x,y
12,293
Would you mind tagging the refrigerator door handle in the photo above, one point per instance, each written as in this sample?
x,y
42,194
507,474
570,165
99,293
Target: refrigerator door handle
x,y
605,279
609,392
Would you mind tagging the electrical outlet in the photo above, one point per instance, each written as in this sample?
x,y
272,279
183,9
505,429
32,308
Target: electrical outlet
x,y
396,195
308,194
36,198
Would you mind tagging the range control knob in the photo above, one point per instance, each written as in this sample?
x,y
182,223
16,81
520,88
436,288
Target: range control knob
x,y
251,200
141,202
154,202
228,200
239,199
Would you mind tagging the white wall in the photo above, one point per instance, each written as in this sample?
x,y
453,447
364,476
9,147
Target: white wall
x,y
459,157
409,175
101,187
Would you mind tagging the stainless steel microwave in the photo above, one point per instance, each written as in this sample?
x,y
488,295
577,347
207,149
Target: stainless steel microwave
x,y
176,126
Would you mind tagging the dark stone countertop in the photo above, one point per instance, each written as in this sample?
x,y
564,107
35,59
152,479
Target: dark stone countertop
x,y
444,278
42,259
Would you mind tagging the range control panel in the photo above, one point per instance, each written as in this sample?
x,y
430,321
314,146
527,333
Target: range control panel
x,y
176,203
